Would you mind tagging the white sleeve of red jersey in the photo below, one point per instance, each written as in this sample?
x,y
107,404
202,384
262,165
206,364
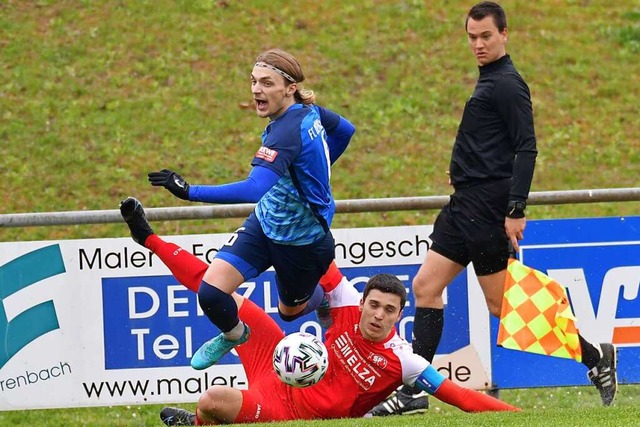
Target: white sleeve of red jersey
x,y
344,295
412,364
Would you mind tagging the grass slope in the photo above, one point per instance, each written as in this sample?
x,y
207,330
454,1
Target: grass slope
x,y
95,94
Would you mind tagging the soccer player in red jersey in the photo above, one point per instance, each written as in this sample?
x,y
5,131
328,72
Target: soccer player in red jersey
x,y
367,357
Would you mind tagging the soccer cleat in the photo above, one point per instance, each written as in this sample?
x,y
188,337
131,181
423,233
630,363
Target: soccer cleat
x,y
323,314
604,375
133,213
177,417
401,403
213,350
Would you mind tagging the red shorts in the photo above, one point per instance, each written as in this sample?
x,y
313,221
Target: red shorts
x,y
267,398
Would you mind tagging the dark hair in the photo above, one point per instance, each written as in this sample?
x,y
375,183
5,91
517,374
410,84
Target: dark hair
x,y
387,283
488,8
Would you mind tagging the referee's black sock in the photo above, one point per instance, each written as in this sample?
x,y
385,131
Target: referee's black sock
x,y
427,331
590,354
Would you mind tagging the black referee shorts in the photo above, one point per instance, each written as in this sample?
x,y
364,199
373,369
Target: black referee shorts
x,y
470,228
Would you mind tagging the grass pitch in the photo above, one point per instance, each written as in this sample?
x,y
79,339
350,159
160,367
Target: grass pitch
x,y
557,407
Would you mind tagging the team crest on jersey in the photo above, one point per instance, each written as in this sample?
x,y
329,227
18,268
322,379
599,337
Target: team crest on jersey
x,y
378,360
266,154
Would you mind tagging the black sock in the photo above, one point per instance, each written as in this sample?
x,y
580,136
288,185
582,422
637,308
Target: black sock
x,y
590,354
427,331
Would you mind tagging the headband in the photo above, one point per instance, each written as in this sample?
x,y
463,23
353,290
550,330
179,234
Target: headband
x,y
277,70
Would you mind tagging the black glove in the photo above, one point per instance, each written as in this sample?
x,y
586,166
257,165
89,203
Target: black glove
x,y
171,181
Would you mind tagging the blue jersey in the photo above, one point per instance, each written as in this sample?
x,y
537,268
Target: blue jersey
x,y
299,208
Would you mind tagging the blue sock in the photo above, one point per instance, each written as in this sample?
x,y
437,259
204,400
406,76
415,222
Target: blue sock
x,y
314,301
312,304
218,306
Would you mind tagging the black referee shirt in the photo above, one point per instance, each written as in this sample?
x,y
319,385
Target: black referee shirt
x,y
496,138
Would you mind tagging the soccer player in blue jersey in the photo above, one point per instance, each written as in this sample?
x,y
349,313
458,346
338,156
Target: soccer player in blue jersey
x,y
289,228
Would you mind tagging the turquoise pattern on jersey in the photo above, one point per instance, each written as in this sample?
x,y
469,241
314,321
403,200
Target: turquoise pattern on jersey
x,y
285,218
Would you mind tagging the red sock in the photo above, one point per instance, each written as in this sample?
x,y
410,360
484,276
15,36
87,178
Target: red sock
x,y
331,278
200,422
470,400
185,266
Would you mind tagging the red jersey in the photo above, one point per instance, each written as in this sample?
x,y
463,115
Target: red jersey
x,y
362,372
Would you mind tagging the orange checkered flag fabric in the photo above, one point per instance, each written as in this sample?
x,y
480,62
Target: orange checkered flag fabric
x,y
536,315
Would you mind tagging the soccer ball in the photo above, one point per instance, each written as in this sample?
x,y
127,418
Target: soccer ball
x,y
300,359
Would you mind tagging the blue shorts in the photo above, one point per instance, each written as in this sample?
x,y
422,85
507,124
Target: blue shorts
x,y
298,268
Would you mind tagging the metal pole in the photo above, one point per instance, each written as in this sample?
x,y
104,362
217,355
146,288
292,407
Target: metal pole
x,y
342,206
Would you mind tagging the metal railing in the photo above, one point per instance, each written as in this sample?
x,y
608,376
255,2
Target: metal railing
x,y
342,206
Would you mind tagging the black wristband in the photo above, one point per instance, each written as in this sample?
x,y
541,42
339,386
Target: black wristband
x,y
515,209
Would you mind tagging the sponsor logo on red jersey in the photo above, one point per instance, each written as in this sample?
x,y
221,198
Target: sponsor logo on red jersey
x,y
360,369
266,154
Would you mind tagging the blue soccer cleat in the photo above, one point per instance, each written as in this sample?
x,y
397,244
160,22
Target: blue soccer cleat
x,y
213,350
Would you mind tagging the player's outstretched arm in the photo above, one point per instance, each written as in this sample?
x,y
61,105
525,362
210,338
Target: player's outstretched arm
x,y
250,190
436,384
470,400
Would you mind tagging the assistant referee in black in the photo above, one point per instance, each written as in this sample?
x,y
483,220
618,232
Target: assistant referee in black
x,y
491,169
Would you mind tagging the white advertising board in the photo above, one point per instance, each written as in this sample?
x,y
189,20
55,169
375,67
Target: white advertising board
x,y
102,321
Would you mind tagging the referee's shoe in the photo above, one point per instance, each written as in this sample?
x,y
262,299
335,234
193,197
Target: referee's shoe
x,y
604,375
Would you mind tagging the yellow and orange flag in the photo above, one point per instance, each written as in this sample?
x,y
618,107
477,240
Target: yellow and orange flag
x,y
536,315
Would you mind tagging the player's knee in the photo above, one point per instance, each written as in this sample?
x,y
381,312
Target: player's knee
x,y
289,314
210,399
494,306
210,296
424,294
418,285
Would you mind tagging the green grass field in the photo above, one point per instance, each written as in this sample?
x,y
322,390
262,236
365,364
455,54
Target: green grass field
x,y
94,94
558,407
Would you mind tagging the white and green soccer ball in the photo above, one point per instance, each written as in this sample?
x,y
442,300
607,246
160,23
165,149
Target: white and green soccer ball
x,y
300,359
